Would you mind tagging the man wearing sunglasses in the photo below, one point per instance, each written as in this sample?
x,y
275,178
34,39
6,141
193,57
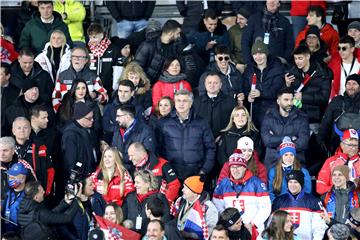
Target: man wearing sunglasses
x,y
344,63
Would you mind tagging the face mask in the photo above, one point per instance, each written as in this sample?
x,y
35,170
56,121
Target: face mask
x,y
14,183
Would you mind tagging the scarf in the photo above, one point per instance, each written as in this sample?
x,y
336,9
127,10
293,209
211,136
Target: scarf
x,y
142,197
270,22
99,49
166,77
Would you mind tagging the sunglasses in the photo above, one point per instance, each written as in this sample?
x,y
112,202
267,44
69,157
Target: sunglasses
x,y
224,58
342,49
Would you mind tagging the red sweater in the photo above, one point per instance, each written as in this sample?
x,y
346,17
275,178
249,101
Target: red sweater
x,y
300,7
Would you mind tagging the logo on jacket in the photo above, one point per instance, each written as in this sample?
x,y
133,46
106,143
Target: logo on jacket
x,y
295,218
239,204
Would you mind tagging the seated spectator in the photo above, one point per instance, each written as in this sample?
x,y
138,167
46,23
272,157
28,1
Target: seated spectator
x,y
239,125
354,31
79,69
126,57
303,208
338,231
162,109
56,56
230,218
155,230
8,53
210,32
245,146
7,159
318,48
235,35
171,80
113,213
263,78
316,17
220,232
275,30
192,221
134,72
347,154
111,179
214,106
342,197
286,163
245,192
280,227
353,222
10,205
134,204
142,159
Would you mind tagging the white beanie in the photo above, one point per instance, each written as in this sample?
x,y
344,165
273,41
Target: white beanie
x,y
245,142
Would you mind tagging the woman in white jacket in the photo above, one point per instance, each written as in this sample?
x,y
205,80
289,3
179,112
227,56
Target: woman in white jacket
x,y
56,55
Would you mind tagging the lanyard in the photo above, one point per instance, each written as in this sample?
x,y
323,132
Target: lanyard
x,y
352,65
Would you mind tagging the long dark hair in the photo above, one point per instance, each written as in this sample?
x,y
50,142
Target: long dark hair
x,y
275,230
169,60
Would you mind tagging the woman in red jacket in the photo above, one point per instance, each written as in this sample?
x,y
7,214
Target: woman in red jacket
x,y
111,179
170,81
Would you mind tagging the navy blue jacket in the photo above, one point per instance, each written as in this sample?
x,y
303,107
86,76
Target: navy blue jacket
x,y
189,146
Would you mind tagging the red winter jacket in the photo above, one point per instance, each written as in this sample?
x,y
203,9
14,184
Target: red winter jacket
x,y
8,53
328,34
262,172
300,7
335,66
162,89
115,184
324,182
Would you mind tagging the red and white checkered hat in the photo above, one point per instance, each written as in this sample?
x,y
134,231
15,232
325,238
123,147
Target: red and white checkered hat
x,y
350,134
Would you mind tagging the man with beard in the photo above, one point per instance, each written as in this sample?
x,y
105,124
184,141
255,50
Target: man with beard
x,y
281,121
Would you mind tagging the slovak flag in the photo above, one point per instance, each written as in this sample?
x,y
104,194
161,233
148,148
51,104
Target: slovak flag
x,y
196,222
114,231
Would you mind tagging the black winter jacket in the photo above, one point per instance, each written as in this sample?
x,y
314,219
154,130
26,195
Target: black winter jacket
x,y
189,146
130,10
216,111
8,96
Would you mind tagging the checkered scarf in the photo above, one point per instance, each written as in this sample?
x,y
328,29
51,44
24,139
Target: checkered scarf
x,y
99,49
270,22
28,166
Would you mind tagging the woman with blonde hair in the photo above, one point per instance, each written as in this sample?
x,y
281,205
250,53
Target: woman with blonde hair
x,y
135,73
111,179
56,55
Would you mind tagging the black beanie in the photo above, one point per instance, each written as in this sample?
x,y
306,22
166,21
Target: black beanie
x,y
28,84
313,30
119,42
81,109
354,77
296,175
244,12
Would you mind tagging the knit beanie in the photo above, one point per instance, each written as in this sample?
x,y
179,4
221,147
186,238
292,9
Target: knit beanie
x,y
287,146
28,84
354,77
313,30
245,143
355,24
119,42
81,109
153,26
343,169
237,159
339,231
350,134
296,175
243,12
259,47
195,184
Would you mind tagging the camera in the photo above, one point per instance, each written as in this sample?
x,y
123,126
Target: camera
x,y
75,179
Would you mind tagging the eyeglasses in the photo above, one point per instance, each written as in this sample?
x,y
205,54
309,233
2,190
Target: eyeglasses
x,y
224,58
79,57
342,49
351,145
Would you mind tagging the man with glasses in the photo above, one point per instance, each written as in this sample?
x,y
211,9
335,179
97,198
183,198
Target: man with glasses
x,y
79,69
343,64
348,154
79,142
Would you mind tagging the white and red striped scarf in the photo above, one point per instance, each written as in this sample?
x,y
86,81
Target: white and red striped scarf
x,y
99,49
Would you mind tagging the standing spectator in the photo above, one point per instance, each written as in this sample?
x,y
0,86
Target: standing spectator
x,y
167,179
354,31
269,72
230,218
316,17
303,208
235,35
284,120
317,47
7,159
28,9
55,58
210,32
8,53
37,30
131,129
79,69
343,64
103,55
347,154
79,143
185,139
275,29
73,14
195,214
245,192
214,106
111,179
131,16
286,163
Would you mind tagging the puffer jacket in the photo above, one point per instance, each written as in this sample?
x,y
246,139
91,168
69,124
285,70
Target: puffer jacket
x,y
130,10
75,15
275,127
189,146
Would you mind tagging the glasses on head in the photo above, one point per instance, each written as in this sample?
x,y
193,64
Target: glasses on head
x,y
342,49
224,58
78,57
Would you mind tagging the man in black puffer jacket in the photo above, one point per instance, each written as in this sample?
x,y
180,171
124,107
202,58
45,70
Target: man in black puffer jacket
x,y
186,140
